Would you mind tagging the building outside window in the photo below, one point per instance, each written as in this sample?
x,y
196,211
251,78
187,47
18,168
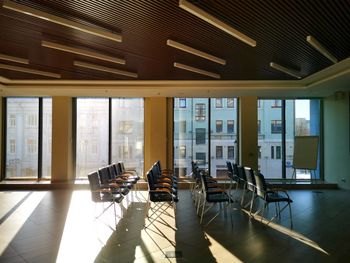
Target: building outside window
x,y
200,112
259,152
230,152
12,121
182,151
230,103
219,126
219,152
272,152
125,127
276,126
230,126
182,126
182,103
259,126
218,103
200,136
276,104
12,148
278,152
201,158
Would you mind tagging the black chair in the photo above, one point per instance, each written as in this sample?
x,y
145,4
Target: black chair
x,y
100,194
268,196
160,196
234,179
107,181
211,197
243,182
251,187
129,173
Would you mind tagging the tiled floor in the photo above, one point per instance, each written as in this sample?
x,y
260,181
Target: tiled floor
x,y
59,226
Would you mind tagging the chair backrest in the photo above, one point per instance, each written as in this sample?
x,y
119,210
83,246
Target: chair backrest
x,y
104,175
94,183
151,180
117,169
229,169
260,185
155,170
249,173
112,172
241,173
235,169
159,166
121,167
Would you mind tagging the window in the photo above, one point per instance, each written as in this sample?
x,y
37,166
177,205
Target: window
x,y
272,152
91,111
125,127
230,102
129,112
259,126
12,148
200,112
230,126
259,152
230,152
182,103
278,152
32,120
182,151
182,126
218,103
276,104
12,121
218,152
276,126
219,126
47,138
200,136
197,140
201,158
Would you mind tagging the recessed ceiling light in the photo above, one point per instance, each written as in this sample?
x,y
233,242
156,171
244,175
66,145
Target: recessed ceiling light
x,y
194,51
30,71
317,45
216,22
105,69
196,70
61,21
82,52
283,69
14,59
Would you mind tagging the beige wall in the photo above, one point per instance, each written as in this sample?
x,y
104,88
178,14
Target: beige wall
x,y
155,131
62,140
248,126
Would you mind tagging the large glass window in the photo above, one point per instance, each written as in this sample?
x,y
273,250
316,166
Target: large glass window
x,y
301,118
199,135
127,132
23,135
92,135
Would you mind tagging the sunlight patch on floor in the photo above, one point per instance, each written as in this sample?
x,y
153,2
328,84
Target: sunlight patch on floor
x,y
10,227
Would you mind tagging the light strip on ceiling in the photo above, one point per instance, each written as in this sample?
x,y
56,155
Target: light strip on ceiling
x,y
283,69
30,71
196,70
61,21
14,59
317,45
82,52
194,51
194,10
105,69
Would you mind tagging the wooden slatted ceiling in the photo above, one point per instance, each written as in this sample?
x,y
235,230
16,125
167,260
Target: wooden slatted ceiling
x,y
279,27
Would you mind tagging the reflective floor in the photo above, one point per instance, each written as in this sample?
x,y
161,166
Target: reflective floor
x,y
60,226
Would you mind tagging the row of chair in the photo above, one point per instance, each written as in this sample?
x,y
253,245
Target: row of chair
x,y
253,183
110,184
207,192
162,191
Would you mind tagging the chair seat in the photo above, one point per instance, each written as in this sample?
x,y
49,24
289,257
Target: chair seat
x,y
220,197
275,197
163,197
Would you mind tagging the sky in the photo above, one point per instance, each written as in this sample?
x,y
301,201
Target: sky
x,y
302,109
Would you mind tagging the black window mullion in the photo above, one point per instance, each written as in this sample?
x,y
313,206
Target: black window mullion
x,y
283,139
4,142
209,135
110,131
40,137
